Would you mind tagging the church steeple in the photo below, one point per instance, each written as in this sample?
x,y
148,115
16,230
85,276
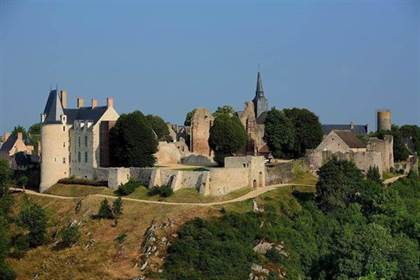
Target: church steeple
x,y
260,102
259,90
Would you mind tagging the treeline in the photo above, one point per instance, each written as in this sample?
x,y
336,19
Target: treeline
x,y
350,228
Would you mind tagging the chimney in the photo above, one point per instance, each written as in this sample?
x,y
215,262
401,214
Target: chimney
x,y
63,98
20,136
109,102
80,102
6,136
94,103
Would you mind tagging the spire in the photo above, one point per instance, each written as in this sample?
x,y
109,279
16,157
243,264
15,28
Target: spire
x,y
259,91
260,102
53,109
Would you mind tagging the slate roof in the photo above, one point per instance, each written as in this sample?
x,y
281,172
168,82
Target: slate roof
x,y
85,113
8,145
54,109
262,117
350,138
356,128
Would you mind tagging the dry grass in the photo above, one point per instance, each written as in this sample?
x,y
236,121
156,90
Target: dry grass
x,y
187,195
77,190
98,261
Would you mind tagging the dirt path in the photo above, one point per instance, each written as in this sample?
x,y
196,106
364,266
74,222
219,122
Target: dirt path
x,y
249,195
393,179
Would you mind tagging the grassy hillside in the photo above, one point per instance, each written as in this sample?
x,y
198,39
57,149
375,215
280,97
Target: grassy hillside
x,y
97,255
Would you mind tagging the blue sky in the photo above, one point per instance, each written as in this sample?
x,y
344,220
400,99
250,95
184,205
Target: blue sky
x,y
341,59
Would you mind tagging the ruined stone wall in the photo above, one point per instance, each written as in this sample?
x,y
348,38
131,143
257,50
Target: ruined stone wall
x,y
167,154
239,172
280,173
226,180
201,122
385,147
362,160
254,131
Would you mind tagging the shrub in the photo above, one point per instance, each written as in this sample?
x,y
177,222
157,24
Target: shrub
x,y
69,236
120,238
22,181
105,211
20,244
81,181
273,255
373,174
117,207
33,218
6,273
163,191
166,191
127,188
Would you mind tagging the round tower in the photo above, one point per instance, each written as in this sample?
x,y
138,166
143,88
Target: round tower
x,y
54,154
384,120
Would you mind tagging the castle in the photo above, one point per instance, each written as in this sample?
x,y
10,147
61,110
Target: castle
x,y
75,143
74,140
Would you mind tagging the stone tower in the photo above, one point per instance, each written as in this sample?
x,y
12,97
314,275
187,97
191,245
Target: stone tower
x,y
260,102
54,140
384,120
201,122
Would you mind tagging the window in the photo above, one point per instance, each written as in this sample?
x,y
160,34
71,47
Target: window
x,y
64,160
64,128
79,141
79,157
86,157
64,144
86,141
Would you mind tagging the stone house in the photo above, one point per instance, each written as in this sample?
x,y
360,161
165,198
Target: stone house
x,y
345,145
74,140
15,150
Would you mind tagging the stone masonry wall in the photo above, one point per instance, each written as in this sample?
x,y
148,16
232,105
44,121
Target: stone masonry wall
x,y
279,173
201,122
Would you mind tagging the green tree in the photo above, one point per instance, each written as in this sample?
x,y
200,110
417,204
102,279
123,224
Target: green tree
x,y
188,118
18,129
225,109
33,218
373,174
412,132
279,133
69,236
6,272
132,141
6,200
338,183
105,211
34,134
362,250
117,206
5,175
159,127
227,137
308,131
